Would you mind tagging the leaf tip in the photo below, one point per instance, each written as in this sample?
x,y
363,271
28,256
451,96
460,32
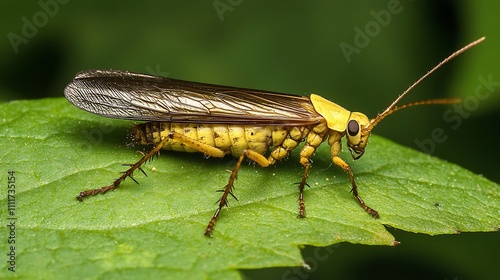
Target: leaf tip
x,y
306,266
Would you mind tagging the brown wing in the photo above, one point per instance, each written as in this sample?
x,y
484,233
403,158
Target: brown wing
x,y
126,95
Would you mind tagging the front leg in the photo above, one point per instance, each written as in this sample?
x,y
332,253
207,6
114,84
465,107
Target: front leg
x,y
335,148
340,162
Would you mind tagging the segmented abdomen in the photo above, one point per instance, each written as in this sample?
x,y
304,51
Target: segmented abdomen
x,y
232,139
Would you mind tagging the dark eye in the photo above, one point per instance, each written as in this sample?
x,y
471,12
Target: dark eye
x,y
352,128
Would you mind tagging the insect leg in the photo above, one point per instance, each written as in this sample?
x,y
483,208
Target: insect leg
x,y
307,165
204,148
342,164
258,158
197,145
125,174
313,140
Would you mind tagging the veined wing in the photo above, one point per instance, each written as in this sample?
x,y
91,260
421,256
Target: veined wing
x,y
127,95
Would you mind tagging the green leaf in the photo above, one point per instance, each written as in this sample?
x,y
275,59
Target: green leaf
x,y
155,229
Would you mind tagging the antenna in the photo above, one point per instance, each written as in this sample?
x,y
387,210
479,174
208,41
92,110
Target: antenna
x,y
393,108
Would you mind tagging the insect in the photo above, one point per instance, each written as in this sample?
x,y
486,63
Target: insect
x,y
220,120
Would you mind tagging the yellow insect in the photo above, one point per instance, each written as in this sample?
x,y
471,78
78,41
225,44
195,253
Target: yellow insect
x,y
219,120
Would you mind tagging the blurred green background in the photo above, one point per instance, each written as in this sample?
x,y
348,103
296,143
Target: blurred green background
x,y
293,47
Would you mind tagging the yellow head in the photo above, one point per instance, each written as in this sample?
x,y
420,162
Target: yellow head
x,y
357,134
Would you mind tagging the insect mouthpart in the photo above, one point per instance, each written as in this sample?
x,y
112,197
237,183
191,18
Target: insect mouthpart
x,y
356,151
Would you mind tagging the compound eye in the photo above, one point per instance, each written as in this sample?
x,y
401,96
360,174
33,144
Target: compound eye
x,y
353,128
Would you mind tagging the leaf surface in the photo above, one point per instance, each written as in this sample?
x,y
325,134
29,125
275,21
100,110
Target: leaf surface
x,y
155,229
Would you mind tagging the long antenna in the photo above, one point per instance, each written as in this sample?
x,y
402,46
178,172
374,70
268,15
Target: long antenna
x,y
392,108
